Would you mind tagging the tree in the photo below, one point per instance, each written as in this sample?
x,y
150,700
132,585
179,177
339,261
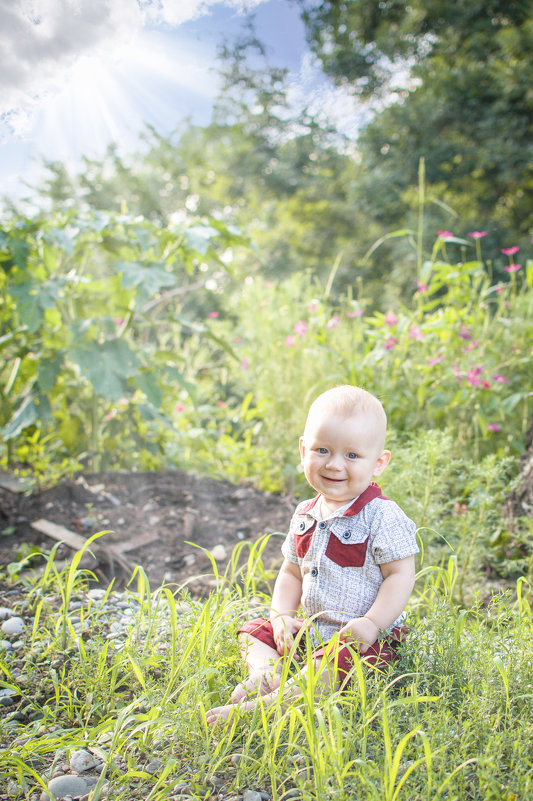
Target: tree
x,y
450,81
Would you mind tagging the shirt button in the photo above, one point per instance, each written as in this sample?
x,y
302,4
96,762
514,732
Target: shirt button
x,y
322,524
314,571
347,535
302,526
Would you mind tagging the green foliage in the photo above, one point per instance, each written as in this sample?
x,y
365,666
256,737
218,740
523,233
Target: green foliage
x,y
451,720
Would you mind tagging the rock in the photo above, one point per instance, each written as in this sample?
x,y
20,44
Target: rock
x,y
6,645
81,760
154,766
13,625
219,553
62,786
5,612
252,795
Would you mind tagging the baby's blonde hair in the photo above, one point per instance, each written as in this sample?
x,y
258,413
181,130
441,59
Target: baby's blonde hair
x,y
347,401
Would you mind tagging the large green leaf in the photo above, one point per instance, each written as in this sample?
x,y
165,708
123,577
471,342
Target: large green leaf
x,y
31,410
148,280
107,366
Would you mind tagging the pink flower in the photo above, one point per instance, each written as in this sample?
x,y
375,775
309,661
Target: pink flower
x,y
300,328
358,313
416,333
333,323
493,427
465,333
510,251
472,376
213,314
486,384
471,346
390,318
444,234
289,341
500,379
422,287
477,234
456,371
179,407
222,403
390,343
435,360
245,364
512,268
313,306
499,288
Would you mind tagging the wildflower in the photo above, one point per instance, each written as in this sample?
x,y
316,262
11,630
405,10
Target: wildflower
x,y
422,287
512,268
459,508
500,379
313,306
486,384
390,343
358,313
493,427
435,360
289,341
477,234
245,364
444,234
471,346
472,376
179,407
222,403
465,333
213,314
300,328
390,318
416,333
510,251
499,287
333,323
456,371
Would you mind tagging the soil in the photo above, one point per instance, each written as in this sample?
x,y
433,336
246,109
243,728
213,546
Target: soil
x,y
174,508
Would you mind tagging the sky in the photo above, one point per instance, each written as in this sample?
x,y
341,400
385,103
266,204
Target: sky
x,y
78,75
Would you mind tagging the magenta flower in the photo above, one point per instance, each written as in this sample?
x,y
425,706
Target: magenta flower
x,y
289,341
313,306
477,234
333,323
512,268
422,287
245,364
179,407
444,234
300,328
510,251
416,333
473,376
213,314
493,427
390,343
500,379
435,360
465,333
390,318
471,346
456,371
358,313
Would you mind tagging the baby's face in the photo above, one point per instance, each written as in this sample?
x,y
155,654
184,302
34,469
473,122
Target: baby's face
x,y
340,455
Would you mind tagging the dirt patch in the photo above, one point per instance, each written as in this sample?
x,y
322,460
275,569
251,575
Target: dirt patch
x,y
177,507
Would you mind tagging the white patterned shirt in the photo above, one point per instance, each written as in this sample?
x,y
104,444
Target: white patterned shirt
x,y
339,557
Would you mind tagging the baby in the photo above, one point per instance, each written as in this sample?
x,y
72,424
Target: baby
x,y
349,559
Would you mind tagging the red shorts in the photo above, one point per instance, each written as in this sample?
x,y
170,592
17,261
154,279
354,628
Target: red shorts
x,y
382,653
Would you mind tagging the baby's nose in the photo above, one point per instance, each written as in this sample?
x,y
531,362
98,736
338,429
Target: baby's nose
x,y
334,461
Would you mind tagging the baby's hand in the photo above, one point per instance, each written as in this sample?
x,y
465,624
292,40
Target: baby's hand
x,y
361,630
284,628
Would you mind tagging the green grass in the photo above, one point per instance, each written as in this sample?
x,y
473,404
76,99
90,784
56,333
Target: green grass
x,y
452,722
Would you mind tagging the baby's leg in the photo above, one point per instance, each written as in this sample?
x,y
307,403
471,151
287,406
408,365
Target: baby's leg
x,y
263,665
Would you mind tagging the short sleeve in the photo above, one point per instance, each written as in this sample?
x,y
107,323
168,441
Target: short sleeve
x,y
393,534
288,548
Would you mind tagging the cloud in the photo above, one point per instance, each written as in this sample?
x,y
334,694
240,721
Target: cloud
x,y
41,39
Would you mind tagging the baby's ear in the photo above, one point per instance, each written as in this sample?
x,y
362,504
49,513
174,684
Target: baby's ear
x,y
302,447
382,462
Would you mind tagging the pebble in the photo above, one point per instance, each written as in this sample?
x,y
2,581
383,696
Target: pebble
x,y
6,645
62,786
154,766
13,625
5,612
252,795
219,552
81,760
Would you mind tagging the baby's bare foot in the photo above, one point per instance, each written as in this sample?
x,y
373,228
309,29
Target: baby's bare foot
x,y
262,682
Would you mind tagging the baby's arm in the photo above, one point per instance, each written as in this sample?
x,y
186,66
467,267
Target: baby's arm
x,y
285,602
391,600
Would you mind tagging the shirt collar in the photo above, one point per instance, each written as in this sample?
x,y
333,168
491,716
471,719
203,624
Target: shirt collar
x,y
348,510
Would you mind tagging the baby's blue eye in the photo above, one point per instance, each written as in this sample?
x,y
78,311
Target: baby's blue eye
x,y
352,455
322,450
